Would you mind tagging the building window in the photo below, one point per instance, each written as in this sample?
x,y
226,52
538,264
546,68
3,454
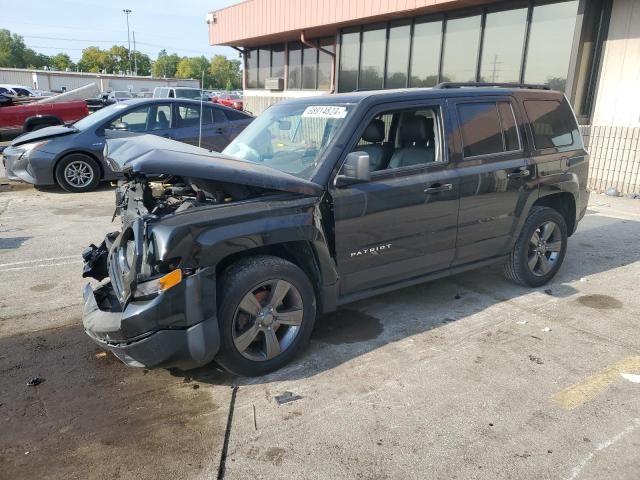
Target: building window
x,y
502,46
252,69
295,66
324,63
309,67
349,60
372,58
461,42
425,57
277,61
550,43
264,65
398,56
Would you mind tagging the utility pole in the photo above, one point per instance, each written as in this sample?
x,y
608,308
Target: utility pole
x,y
127,12
135,58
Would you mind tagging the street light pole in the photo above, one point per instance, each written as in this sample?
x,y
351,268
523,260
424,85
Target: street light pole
x,y
127,12
135,58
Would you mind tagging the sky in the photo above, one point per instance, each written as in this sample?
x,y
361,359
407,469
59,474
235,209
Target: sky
x,y
52,26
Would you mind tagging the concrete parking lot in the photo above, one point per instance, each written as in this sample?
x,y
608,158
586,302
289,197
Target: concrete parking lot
x,y
467,377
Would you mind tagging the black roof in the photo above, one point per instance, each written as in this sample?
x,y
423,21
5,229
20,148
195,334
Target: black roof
x,y
399,94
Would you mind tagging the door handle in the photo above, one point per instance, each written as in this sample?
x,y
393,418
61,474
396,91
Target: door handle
x,y
519,174
437,188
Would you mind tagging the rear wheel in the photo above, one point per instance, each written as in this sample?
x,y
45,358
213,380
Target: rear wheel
x,y
267,311
539,250
77,173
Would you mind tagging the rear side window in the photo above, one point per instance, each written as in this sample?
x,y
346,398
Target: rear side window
x,y
233,115
488,128
552,123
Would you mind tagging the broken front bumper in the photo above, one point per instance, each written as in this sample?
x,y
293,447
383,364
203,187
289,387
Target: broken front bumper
x,y
176,328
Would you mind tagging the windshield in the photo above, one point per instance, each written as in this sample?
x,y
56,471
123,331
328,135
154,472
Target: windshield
x,y
290,138
192,94
97,117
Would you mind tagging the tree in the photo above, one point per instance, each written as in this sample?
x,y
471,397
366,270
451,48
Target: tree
x,y
61,62
166,65
192,67
144,63
225,73
119,57
95,60
14,52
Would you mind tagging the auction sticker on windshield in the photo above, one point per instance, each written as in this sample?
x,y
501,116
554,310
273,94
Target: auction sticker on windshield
x,y
324,111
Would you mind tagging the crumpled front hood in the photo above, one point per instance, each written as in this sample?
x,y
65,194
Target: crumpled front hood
x,y
43,134
151,155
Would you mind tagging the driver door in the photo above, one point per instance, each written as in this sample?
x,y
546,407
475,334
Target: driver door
x,y
401,224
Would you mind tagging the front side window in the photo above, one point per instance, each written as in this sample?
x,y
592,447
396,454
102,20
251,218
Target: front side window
x,y
144,119
405,138
487,128
290,138
552,123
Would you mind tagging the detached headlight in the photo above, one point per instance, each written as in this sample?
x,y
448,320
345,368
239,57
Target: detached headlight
x,y
153,287
27,148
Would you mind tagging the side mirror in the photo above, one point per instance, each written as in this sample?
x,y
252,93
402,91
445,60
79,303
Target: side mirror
x,y
356,169
122,126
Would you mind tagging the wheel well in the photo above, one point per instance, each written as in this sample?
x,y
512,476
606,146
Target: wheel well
x,y
81,152
564,203
31,122
300,253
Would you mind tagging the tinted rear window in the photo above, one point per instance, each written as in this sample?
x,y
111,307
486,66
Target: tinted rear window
x,y
481,132
552,123
233,115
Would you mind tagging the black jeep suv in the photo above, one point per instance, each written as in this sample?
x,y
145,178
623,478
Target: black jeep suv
x,y
325,200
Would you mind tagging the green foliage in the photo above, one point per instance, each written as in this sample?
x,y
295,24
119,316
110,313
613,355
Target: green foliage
x,y
225,73
14,52
166,65
219,73
61,62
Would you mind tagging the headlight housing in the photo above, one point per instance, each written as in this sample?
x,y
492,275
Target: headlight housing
x,y
157,285
28,148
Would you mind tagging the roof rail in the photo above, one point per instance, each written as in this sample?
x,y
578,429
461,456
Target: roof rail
x,y
491,84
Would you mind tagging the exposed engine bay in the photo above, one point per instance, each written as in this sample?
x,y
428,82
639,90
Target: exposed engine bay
x,y
157,197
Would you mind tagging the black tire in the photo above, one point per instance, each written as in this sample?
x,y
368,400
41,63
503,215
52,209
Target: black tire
x,y
243,278
82,161
518,265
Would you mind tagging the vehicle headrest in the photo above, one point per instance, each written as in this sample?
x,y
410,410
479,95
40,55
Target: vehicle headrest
x,y
413,129
374,131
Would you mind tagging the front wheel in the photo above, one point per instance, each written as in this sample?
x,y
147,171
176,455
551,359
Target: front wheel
x,y
539,250
77,173
267,311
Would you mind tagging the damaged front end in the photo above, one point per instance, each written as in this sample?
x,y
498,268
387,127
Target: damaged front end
x,y
155,303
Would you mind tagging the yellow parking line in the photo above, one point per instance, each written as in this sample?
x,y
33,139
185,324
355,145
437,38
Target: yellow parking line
x,y
582,392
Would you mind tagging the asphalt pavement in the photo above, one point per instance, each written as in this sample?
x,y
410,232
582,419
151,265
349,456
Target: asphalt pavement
x,y
466,377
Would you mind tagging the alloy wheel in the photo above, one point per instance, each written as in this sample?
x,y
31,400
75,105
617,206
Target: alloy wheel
x,y
545,245
267,320
78,174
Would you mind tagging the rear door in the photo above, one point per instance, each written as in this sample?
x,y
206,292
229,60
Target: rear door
x,y
492,169
187,126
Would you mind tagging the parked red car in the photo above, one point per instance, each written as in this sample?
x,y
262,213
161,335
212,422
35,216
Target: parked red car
x,y
231,100
21,118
